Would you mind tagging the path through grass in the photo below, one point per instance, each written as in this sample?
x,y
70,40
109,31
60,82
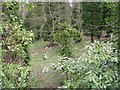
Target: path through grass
x,y
50,78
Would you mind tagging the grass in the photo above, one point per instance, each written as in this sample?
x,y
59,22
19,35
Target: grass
x,y
38,63
50,78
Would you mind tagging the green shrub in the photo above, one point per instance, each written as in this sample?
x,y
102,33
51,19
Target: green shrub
x,y
15,42
95,69
63,38
14,75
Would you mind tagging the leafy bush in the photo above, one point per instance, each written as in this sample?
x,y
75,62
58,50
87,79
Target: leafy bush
x,y
15,42
95,69
14,73
63,37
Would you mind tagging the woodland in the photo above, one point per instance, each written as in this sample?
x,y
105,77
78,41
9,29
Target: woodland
x,y
60,45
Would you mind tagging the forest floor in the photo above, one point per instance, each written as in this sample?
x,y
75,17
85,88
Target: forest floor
x,y
43,75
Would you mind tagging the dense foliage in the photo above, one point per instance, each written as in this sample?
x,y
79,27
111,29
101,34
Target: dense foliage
x,y
15,42
99,18
97,68
47,13
62,25
63,37
91,18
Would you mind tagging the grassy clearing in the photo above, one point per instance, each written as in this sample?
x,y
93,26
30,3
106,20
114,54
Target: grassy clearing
x,y
38,63
51,78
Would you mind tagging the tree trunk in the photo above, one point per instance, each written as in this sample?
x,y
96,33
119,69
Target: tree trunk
x,y
0,41
79,17
23,12
92,38
68,13
53,24
44,12
119,41
0,20
45,19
